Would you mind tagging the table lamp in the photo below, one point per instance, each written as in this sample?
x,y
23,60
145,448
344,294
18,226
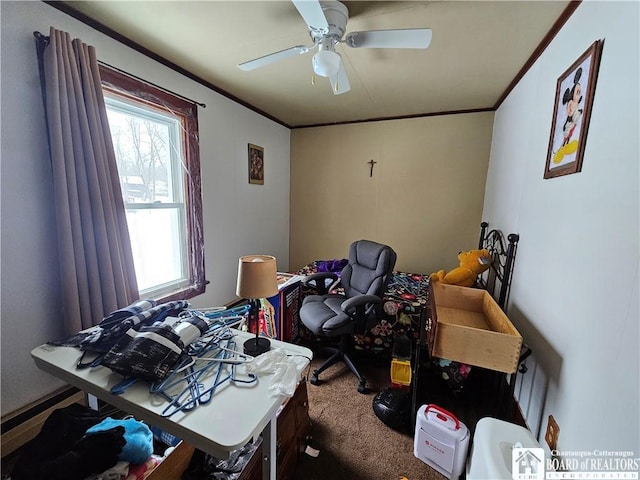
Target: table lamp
x,y
257,278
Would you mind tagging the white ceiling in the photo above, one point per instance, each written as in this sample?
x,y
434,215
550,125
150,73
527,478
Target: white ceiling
x,y
477,49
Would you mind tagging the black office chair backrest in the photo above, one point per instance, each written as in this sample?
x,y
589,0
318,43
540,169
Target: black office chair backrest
x,y
369,269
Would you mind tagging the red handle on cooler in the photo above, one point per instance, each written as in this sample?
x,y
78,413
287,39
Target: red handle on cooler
x,y
442,414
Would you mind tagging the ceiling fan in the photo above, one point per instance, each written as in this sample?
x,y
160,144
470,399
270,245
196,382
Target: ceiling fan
x,y
327,21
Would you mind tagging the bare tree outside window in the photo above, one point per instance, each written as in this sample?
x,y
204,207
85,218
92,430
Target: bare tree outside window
x,y
143,151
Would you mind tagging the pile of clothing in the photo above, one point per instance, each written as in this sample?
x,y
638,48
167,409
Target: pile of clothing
x,y
76,443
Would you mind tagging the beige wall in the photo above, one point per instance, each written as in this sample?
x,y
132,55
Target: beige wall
x,y
424,199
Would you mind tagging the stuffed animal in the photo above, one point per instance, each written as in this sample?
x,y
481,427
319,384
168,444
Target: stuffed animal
x,y
472,264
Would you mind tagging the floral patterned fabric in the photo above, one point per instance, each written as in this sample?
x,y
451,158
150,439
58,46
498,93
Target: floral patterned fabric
x,y
453,373
404,302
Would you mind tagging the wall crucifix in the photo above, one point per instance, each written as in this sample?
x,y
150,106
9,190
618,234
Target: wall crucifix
x,y
371,164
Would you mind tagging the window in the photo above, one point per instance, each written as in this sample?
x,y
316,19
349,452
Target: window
x,y
155,139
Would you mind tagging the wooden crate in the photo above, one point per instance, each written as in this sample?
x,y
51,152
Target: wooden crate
x,y
468,326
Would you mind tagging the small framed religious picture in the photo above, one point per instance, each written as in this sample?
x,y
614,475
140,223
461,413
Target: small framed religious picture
x,y
575,91
256,164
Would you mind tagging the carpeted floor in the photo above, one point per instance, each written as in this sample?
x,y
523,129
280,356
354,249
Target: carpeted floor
x,y
353,443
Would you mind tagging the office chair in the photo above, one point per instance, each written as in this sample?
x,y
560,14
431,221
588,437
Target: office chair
x,y
364,280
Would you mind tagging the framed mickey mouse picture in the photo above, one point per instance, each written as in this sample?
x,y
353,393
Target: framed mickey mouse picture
x,y
575,91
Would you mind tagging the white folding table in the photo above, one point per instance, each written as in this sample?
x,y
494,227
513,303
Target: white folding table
x,y
236,414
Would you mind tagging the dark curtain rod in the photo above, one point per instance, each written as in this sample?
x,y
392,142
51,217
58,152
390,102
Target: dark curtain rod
x,y
43,38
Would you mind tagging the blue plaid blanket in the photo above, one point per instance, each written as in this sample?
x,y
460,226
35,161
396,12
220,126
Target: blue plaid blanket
x,y
100,338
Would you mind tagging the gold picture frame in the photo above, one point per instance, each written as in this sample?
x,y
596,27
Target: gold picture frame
x,y
256,164
575,90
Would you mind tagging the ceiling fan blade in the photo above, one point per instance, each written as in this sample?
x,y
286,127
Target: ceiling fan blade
x,y
409,38
272,58
340,81
312,14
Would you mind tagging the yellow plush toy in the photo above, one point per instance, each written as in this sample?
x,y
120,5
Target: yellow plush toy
x,y
472,264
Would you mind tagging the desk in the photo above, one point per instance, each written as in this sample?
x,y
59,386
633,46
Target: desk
x,y
236,414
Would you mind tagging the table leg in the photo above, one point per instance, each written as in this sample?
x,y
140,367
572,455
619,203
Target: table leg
x,y
92,400
269,442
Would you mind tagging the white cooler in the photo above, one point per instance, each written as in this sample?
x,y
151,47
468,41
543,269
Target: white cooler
x,y
491,453
441,440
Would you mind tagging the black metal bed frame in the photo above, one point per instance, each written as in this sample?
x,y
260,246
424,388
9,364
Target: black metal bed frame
x,y
501,271
497,281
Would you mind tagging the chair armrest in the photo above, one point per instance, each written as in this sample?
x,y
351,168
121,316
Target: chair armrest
x,y
350,305
319,281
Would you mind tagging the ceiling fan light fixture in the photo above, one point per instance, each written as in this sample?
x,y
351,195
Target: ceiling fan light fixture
x,y
326,63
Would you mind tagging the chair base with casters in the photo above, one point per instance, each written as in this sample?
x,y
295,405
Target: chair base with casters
x,y
340,355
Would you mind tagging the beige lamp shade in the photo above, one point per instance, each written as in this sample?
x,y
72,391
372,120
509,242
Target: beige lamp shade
x,y
257,276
